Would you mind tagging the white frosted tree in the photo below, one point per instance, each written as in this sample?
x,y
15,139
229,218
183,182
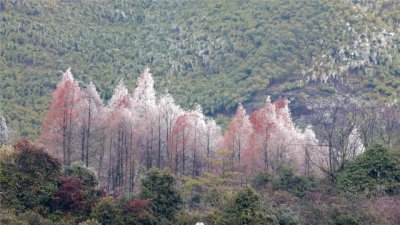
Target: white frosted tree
x,y
119,94
146,116
212,141
4,133
144,94
91,107
354,144
121,153
197,121
168,112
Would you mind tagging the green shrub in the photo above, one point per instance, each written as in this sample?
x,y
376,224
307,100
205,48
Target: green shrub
x,y
286,216
158,187
9,218
137,211
106,211
260,180
86,175
77,191
293,86
288,181
246,209
186,217
33,218
376,169
327,89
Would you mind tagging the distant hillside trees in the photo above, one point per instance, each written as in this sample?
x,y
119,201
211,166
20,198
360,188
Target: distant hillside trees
x,y
227,54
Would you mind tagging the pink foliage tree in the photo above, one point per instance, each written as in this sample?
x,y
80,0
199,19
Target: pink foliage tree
x,y
237,137
276,140
130,134
60,123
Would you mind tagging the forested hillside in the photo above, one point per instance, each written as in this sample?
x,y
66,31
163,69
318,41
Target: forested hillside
x,y
142,159
215,53
199,112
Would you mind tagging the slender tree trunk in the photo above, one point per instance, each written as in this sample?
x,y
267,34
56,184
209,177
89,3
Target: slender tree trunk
x,y
88,135
83,144
64,145
110,174
176,157
233,152
167,128
208,152
265,157
103,146
126,147
183,153
159,142
194,154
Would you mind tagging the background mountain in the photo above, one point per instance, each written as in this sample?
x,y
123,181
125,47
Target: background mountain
x,y
216,53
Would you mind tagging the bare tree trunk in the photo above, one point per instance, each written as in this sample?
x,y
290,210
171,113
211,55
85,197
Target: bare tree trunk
x,y
103,146
159,142
183,153
83,144
88,134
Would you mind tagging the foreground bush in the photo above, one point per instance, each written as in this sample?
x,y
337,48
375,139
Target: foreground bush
x,y
288,181
28,178
77,191
375,170
107,211
247,208
158,187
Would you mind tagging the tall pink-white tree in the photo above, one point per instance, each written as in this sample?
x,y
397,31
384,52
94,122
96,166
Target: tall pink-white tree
x,y
145,111
277,140
196,137
60,124
168,113
237,136
179,143
120,134
91,122
258,154
212,141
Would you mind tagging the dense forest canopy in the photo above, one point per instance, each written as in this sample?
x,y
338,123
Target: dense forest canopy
x,y
142,159
216,54
199,112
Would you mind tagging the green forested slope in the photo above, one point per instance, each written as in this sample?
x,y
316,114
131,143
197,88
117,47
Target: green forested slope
x,y
216,53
